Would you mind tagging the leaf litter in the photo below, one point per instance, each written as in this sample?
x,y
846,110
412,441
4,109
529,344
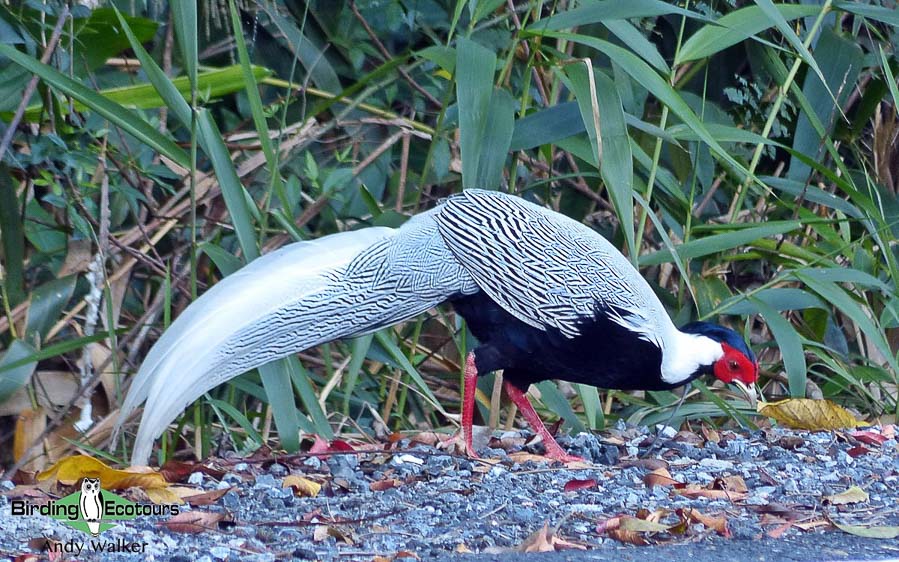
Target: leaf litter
x,y
410,496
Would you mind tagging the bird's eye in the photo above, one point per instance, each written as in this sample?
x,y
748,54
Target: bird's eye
x,y
733,365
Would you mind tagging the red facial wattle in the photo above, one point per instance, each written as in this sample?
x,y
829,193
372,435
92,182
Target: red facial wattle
x,y
734,365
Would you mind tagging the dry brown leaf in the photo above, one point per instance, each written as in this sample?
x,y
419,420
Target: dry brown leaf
x,y
710,434
649,464
543,540
52,389
778,531
72,469
30,425
659,477
178,471
302,487
386,484
715,523
206,498
522,457
852,495
684,436
813,415
813,524
462,549
733,483
612,528
193,522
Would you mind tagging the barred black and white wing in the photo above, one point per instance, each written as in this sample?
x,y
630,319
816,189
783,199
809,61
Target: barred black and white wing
x,y
545,269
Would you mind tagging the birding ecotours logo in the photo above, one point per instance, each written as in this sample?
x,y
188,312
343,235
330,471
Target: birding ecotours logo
x,y
92,510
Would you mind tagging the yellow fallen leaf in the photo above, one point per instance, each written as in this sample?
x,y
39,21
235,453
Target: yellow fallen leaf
x,y
165,495
853,495
70,470
869,532
813,415
302,487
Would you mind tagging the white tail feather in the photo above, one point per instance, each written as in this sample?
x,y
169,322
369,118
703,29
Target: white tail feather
x,y
187,359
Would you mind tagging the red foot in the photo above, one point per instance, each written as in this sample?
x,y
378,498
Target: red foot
x,y
553,450
468,396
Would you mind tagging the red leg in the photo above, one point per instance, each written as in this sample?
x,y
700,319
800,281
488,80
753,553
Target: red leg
x,y
553,450
468,395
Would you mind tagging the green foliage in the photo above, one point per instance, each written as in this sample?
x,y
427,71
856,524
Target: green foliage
x,y
758,143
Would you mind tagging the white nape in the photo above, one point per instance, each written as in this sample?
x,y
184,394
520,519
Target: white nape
x,y
683,354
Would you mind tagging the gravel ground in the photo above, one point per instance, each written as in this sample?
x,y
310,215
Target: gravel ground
x,y
429,504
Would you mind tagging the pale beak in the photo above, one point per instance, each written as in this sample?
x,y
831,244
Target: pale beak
x,y
748,390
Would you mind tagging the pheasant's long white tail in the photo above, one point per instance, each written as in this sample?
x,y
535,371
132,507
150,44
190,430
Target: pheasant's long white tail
x,y
302,295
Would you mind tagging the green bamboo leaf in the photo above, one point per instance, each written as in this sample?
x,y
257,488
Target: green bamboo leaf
x,y
232,190
252,89
888,75
54,350
846,275
474,88
547,126
721,133
47,304
618,161
721,242
226,262
844,62
813,194
129,121
12,238
213,84
557,403
360,347
661,89
772,12
776,298
16,368
617,168
276,380
301,380
383,337
320,71
223,407
496,139
879,13
736,27
589,396
169,93
790,346
629,35
577,79
595,12
184,16
836,296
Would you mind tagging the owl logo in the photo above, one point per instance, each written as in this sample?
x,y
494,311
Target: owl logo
x,y
91,504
